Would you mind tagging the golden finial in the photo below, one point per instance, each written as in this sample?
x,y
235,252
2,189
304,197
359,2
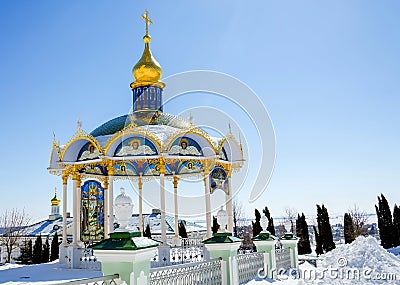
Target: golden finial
x,y
55,201
79,123
229,127
147,70
240,144
146,18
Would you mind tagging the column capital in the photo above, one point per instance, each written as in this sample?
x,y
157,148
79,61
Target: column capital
x,y
105,184
76,176
176,179
110,167
207,165
228,169
161,164
65,178
140,183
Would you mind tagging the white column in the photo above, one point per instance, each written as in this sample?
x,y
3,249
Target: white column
x,y
208,203
140,186
78,210
162,202
111,204
74,213
64,224
176,206
229,208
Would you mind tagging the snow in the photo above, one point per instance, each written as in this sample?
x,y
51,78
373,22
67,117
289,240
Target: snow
x,y
364,255
395,250
47,273
364,258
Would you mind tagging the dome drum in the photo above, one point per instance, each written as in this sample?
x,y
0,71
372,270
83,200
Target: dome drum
x,y
147,98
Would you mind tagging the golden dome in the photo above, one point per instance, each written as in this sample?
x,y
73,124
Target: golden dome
x,y
55,201
147,70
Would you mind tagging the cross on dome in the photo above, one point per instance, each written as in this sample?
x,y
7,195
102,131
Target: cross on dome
x,y
146,18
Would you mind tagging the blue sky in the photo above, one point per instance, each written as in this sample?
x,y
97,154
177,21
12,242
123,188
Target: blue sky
x,y
327,71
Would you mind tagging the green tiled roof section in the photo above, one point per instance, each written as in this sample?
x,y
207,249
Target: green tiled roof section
x,y
265,236
222,238
125,241
114,125
110,127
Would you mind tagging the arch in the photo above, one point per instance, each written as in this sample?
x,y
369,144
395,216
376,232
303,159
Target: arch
x,y
229,148
55,156
135,146
112,144
75,145
201,138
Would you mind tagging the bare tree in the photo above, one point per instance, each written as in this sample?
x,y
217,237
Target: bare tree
x,y
237,209
13,222
360,220
290,216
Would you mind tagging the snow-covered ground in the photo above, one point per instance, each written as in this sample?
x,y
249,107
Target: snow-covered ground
x,y
362,262
48,273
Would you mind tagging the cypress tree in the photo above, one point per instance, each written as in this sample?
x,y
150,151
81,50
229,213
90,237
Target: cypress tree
x,y
324,229
182,230
147,231
46,251
349,233
318,242
37,250
385,223
256,225
26,252
271,227
396,224
54,251
215,225
328,243
304,246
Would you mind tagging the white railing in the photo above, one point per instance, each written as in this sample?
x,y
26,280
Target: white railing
x,y
207,273
173,255
89,261
104,280
248,265
282,257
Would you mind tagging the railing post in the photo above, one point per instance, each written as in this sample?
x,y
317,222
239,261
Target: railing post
x,y
266,242
223,245
127,254
290,241
224,272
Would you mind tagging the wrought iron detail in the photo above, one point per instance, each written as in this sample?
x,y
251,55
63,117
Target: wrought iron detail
x,y
208,272
282,257
248,265
104,280
185,253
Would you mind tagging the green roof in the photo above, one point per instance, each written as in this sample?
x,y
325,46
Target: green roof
x,y
125,241
140,118
222,238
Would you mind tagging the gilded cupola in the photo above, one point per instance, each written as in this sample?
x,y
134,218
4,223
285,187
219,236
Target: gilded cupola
x,y
147,71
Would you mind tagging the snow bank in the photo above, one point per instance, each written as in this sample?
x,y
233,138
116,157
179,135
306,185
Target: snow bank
x,y
363,261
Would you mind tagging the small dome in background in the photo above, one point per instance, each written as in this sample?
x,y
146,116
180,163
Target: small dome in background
x,y
55,201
